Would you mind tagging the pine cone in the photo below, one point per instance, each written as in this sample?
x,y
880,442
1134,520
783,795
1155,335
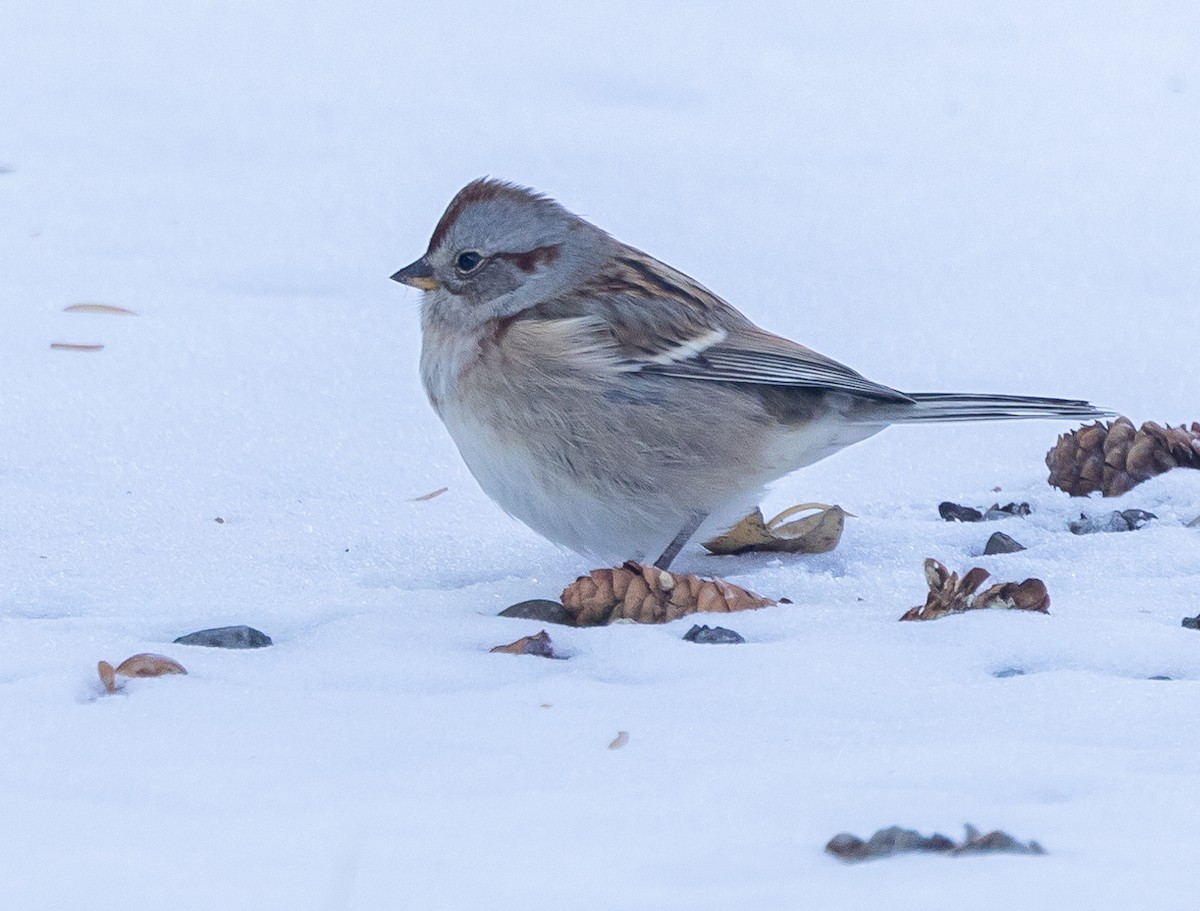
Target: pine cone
x,y
1114,458
647,594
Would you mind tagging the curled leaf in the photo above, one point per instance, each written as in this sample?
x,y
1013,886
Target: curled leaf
x,y
818,533
949,594
149,665
539,645
141,665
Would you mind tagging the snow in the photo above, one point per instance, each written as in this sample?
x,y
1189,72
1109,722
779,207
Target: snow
x,y
994,198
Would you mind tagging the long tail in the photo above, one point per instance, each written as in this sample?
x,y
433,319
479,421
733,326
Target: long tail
x,y
935,407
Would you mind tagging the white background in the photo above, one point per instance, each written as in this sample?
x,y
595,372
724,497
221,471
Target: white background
x,y
1000,198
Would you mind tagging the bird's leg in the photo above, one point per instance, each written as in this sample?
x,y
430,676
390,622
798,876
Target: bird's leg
x,y
680,539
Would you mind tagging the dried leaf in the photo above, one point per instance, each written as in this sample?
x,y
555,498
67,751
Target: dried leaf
x,y
69,346
948,594
99,308
429,496
141,665
646,594
108,676
149,665
619,741
539,645
815,534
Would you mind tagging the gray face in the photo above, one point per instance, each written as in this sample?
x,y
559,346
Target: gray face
x,y
498,250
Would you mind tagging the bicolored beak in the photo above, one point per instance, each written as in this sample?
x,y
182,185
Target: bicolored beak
x,y
417,275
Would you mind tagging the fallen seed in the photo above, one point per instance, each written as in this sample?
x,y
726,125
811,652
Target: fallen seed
x,y
69,346
429,496
99,308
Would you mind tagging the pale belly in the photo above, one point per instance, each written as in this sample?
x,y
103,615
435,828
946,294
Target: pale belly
x,y
615,468
568,510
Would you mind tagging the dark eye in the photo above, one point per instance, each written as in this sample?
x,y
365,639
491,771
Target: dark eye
x,y
468,261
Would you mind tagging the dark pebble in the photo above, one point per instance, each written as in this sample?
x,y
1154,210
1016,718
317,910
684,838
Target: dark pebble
x,y
1191,622
952,512
227,637
996,511
995,843
885,842
847,847
539,609
939,843
716,635
1136,518
1126,520
895,840
1000,543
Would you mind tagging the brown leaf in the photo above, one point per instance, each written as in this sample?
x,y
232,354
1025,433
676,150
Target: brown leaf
x,y
818,533
149,665
948,594
141,665
646,594
539,645
108,676
1029,595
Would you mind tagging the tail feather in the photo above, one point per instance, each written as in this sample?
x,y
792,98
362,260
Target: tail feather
x,y
936,407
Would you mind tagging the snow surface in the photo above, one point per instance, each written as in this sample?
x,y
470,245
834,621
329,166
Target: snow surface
x,y
995,198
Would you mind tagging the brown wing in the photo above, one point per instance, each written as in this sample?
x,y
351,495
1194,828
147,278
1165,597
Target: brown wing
x,y
658,320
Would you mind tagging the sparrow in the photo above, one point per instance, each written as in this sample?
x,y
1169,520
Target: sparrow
x,y
614,404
